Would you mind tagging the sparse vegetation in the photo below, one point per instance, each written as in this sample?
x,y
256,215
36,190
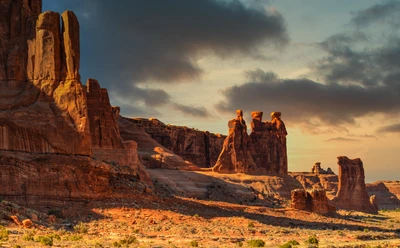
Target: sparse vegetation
x,y
45,240
194,243
256,243
3,233
125,242
29,235
250,224
81,228
312,240
289,244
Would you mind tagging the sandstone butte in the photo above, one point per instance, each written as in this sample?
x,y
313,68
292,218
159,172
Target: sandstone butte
x,y
62,140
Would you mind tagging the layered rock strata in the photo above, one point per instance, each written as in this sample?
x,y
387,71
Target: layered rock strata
x,y
352,193
197,147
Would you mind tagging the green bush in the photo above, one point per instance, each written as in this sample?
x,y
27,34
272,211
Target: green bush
x,y
29,236
3,233
312,240
81,228
125,241
289,244
194,243
45,240
256,243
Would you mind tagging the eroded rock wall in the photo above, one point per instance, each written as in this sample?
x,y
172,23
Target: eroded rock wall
x,y
352,193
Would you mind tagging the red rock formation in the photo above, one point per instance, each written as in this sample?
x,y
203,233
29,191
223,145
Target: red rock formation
x,y
235,156
317,169
352,193
268,144
44,107
383,197
42,179
314,200
152,154
198,147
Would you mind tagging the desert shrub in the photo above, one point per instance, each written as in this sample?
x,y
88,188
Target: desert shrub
x,y
312,240
17,246
81,228
72,237
194,243
289,244
45,240
3,233
29,235
250,225
125,242
256,243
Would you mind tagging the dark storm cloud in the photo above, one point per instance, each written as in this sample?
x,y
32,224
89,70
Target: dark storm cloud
x,y
388,11
395,128
303,99
191,110
125,42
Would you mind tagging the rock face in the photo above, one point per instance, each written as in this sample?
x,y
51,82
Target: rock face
x,y
352,193
40,111
39,179
263,152
317,169
198,147
44,108
268,142
152,154
313,200
236,156
383,197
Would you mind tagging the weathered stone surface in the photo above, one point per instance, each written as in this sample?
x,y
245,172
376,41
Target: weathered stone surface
x,y
198,147
383,198
17,25
317,169
236,156
48,47
151,153
314,200
268,144
71,46
352,193
40,179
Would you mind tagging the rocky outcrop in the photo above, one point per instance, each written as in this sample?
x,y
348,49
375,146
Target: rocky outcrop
x,y
152,154
197,147
317,169
37,179
268,144
314,200
263,152
383,197
17,26
352,193
236,156
44,108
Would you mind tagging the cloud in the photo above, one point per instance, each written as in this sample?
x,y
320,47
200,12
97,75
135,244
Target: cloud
x,y
127,44
331,104
388,11
395,128
191,110
341,139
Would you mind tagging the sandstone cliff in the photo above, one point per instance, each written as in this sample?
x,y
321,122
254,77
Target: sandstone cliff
x,y
197,147
352,193
385,199
44,108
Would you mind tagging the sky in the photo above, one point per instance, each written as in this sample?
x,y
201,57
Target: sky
x,y
331,67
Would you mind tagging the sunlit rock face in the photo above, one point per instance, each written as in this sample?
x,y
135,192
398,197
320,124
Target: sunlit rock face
x,y
197,147
352,193
41,110
262,152
46,111
314,200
